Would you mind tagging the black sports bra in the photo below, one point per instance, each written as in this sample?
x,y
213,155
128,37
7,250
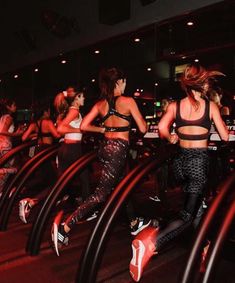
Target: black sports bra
x,y
113,111
204,122
40,133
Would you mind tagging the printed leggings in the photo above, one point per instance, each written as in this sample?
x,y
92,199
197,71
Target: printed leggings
x,y
190,167
5,146
112,155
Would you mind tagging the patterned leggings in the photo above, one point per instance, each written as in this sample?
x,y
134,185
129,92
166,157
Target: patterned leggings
x,y
191,168
5,146
112,155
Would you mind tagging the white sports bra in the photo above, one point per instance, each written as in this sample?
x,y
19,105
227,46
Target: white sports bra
x,y
75,124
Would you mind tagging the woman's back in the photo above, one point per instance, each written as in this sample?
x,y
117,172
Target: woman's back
x,y
117,120
43,129
193,123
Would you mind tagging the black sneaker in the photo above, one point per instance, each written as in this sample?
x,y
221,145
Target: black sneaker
x,y
58,235
139,225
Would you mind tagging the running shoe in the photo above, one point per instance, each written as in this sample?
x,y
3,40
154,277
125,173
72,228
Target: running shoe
x,y
93,216
204,256
143,248
155,198
58,235
24,209
139,225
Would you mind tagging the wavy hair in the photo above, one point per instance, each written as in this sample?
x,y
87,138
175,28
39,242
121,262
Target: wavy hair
x,y
194,78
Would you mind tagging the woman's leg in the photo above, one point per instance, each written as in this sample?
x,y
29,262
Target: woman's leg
x,y
112,156
192,166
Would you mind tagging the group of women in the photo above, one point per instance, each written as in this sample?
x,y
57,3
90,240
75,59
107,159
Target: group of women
x,y
192,115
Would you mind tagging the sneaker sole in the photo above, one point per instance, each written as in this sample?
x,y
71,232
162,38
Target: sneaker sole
x,y
54,232
141,228
138,250
21,213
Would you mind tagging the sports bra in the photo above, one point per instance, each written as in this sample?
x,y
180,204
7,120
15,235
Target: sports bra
x,y
75,124
204,122
112,111
40,133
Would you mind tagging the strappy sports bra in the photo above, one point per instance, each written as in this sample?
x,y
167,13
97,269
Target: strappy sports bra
x,y
40,133
204,122
113,111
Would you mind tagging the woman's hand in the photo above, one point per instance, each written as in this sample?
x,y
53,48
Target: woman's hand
x,y
102,130
173,138
20,130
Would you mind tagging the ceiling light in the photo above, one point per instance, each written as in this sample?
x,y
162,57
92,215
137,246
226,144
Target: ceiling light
x,y
149,69
137,39
156,84
93,80
16,76
36,70
63,62
183,57
190,23
97,51
196,60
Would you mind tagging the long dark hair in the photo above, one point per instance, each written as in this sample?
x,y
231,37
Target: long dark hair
x,y
108,78
4,102
194,78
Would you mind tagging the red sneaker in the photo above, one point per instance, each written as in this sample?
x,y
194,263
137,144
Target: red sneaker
x,y
143,248
204,257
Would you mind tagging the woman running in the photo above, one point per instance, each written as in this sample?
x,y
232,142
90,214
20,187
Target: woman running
x,y
192,115
7,131
68,108
44,130
116,111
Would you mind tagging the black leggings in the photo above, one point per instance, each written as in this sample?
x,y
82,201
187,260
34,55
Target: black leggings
x,y
69,153
191,168
112,155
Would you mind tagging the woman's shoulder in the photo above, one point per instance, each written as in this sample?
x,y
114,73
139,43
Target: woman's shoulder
x,y
6,117
127,100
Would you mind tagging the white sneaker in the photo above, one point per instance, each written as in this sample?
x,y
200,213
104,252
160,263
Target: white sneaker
x,y
155,198
24,209
93,216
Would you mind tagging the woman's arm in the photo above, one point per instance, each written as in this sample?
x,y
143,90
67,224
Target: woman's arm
x,y
64,127
165,123
137,116
53,129
219,123
28,133
86,124
7,124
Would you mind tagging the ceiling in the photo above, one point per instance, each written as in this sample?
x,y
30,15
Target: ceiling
x,y
30,28
33,31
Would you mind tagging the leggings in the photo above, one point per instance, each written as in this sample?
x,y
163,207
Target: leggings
x,y
5,146
112,156
67,155
44,176
190,167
